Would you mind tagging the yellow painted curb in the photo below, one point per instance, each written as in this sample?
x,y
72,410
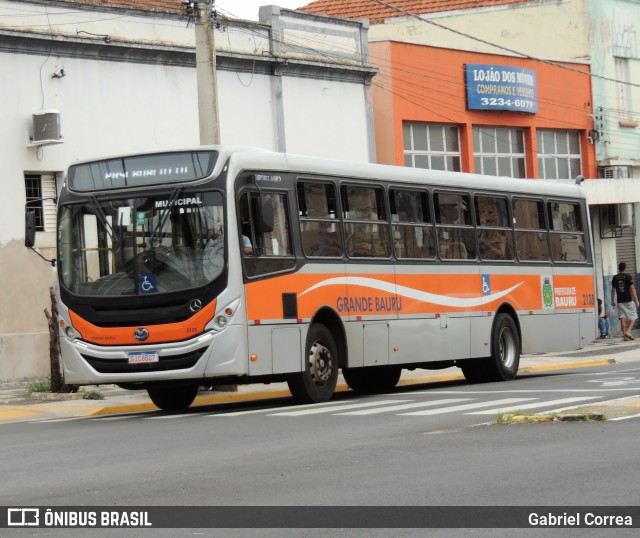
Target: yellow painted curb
x,y
568,365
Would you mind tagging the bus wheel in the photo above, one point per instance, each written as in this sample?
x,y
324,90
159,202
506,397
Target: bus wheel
x,y
505,349
173,398
318,381
372,379
503,363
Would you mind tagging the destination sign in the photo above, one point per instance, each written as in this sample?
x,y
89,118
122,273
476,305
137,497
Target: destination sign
x,y
140,170
501,87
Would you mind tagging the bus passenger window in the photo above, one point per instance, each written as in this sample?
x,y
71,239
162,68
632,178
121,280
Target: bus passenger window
x,y
411,225
495,238
567,237
532,239
365,224
456,235
319,227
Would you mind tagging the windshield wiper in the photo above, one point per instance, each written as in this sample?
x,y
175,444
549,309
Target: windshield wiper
x,y
103,219
164,214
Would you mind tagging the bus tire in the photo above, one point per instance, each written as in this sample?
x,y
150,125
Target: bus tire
x,y
475,370
173,398
503,363
317,382
505,349
370,380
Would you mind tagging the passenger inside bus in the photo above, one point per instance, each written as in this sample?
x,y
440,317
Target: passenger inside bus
x,y
452,245
213,255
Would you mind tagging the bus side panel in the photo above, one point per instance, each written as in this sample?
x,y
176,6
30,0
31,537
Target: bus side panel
x,y
480,345
417,340
376,343
260,348
355,344
287,353
588,328
544,333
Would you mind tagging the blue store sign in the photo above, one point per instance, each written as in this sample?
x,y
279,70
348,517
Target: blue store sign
x,y
501,87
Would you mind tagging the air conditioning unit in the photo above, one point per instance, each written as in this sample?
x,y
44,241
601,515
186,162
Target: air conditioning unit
x,y
618,215
45,128
616,172
625,215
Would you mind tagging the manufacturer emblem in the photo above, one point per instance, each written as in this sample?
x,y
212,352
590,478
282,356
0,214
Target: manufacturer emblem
x,y
141,334
195,305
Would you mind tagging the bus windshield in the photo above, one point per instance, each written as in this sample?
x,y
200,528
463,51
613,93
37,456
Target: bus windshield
x,y
146,245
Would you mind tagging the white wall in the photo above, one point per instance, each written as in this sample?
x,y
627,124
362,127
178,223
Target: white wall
x,y
110,107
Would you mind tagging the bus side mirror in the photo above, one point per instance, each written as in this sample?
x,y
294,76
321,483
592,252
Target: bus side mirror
x,y
266,214
30,229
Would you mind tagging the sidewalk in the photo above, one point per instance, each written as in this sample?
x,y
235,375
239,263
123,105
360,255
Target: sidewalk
x,y
16,406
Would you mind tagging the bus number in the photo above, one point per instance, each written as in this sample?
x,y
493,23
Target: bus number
x,y
588,299
191,330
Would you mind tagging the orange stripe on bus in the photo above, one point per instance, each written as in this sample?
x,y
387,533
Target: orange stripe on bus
x,y
162,333
417,294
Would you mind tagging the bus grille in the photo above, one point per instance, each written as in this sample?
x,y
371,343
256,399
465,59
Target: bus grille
x,y
121,366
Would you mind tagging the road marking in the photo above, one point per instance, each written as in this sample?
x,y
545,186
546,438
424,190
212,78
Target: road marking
x,y
403,406
531,405
464,407
318,410
270,409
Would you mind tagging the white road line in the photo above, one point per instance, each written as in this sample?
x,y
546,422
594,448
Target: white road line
x,y
404,406
270,409
464,407
531,405
318,410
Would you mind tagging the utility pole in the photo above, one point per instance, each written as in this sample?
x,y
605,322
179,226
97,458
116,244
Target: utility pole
x,y
206,74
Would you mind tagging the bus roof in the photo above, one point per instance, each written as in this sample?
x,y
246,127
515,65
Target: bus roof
x,y
259,159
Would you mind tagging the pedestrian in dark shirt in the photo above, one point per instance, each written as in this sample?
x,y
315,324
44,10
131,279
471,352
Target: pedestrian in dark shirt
x,y
624,292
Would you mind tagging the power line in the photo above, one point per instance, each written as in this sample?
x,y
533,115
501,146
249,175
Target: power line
x,y
506,49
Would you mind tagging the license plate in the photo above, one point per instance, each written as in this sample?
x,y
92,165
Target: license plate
x,y
137,357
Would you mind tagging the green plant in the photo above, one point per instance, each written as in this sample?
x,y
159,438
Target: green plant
x,y
38,385
92,395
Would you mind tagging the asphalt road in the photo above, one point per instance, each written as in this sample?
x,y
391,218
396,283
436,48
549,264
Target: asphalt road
x,y
435,444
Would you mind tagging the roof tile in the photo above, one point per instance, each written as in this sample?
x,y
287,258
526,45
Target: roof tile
x,y
377,12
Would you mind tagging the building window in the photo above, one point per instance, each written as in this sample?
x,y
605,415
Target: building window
x,y
558,154
499,151
623,88
40,191
430,145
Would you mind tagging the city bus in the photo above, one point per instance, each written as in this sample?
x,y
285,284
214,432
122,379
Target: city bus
x,y
232,265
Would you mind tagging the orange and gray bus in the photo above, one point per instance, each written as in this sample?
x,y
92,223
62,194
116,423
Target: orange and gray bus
x,y
230,265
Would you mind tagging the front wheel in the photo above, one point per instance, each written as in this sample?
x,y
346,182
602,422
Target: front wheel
x,y
173,398
317,382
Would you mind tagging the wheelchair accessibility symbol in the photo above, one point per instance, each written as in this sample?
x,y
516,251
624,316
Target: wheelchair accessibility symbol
x,y
147,283
486,285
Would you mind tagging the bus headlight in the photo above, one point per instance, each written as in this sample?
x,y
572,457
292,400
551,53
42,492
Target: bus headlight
x,y
224,316
221,322
71,333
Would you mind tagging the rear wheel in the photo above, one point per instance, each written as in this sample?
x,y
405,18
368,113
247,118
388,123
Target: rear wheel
x,y
173,398
372,379
503,363
317,382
